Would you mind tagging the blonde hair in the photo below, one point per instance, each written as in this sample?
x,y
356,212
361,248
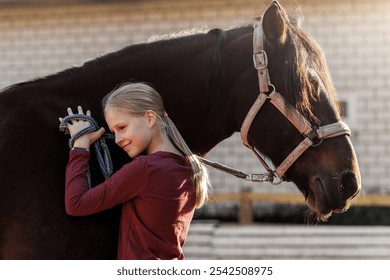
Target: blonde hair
x,y
138,98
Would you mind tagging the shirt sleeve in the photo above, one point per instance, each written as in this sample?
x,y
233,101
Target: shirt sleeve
x,y
122,186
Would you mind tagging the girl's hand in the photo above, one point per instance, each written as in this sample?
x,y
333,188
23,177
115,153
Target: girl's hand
x,y
76,125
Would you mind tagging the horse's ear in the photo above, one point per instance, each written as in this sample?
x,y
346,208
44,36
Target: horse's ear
x,y
275,24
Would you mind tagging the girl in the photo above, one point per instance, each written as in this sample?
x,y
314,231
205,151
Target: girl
x,y
159,190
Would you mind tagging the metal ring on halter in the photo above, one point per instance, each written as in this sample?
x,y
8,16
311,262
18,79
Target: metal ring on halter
x,y
273,88
314,137
271,176
280,180
318,143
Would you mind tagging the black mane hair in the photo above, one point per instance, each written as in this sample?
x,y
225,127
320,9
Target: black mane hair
x,y
306,71
215,77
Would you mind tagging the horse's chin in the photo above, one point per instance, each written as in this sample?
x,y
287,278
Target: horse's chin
x,y
319,202
321,214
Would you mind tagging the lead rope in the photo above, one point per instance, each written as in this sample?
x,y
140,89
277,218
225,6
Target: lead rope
x,y
100,146
260,178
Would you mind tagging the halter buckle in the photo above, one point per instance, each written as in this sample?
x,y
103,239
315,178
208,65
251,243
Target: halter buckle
x,y
262,63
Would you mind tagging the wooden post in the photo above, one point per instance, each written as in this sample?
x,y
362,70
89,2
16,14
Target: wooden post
x,y
245,207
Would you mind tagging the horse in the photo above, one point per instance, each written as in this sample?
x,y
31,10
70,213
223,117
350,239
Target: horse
x,y
208,84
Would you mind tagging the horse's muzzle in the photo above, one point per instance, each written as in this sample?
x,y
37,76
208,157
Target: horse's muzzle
x,y
349,184
329,195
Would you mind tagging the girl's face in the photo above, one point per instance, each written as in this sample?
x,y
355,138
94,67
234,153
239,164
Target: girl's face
x,y
132,133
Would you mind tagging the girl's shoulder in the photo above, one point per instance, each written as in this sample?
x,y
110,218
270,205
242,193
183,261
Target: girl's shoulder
x,y
162,155
163,159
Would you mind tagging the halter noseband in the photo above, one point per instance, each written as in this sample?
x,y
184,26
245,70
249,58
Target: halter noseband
x,y
313,135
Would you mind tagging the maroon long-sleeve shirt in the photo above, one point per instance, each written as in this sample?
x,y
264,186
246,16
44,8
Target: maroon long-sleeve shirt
x,y
157,197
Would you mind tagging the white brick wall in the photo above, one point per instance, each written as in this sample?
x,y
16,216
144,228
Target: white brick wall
x,y
354,34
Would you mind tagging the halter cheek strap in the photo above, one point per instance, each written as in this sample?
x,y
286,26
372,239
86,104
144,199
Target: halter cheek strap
x,y
313,136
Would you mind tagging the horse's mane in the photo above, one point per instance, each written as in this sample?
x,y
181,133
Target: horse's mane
x,y
306,71
215,75
214,81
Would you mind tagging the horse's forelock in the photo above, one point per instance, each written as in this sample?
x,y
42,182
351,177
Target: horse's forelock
x,y
306,71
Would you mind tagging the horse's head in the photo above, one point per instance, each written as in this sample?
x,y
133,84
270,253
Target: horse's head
x,y
326,173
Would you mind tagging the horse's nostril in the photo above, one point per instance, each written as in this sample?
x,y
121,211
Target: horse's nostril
x,y
348,185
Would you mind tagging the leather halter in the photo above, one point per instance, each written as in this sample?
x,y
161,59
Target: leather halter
x,y
313,136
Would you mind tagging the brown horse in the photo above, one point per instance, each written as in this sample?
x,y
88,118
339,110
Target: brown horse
x,y
208,84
